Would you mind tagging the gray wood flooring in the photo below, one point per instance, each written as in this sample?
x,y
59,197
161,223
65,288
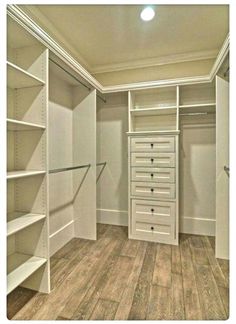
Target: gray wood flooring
x,y
119,279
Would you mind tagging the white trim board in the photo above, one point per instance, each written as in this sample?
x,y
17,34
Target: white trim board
x,y
26,22
198,226
61,237
112,217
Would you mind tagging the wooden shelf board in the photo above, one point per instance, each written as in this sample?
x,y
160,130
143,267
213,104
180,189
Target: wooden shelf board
x,y
20,267
18,78
170,110
23,173
163,132
17,125
18,221
197,108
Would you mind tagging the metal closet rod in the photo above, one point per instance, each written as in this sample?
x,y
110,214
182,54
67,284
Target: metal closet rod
x,y
75,78
70,168
101,163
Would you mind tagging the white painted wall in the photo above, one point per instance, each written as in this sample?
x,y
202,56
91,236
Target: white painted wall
x,y
112,186
197,179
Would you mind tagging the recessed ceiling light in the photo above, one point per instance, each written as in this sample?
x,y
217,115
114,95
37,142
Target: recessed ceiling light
x,y
147,14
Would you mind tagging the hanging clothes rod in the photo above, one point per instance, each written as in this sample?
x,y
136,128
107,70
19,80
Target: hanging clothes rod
x,y
70,168
75,78
101,163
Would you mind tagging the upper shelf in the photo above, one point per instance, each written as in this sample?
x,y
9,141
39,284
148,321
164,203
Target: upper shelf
x,y
168,110
17,125
18,78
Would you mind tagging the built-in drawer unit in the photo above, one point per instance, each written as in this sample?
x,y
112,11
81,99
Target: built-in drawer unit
x,y
144,159
153,220
153,174
153,144
153,190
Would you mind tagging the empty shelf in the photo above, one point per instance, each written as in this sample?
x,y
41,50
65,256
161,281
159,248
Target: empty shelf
x,y
162,132
170,110
16,125
22,173
20,267
198,108
18,78
18,221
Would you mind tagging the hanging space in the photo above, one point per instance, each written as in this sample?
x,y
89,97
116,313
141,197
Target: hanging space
x,y
72,156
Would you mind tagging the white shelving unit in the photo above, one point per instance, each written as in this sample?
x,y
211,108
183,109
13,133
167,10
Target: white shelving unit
x,y
27,167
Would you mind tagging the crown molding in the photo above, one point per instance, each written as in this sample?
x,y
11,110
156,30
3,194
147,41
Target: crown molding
x,y
26,22
155,61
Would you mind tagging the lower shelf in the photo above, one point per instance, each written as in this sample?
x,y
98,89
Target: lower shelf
x,y
20,267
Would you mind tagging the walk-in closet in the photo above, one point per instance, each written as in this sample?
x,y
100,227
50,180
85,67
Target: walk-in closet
x,y
117,162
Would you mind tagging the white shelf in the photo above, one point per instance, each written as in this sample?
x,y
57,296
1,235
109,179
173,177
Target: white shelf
x,y
18,221
20,267
23,173
162,132
169,110
198,108
18,78
16,125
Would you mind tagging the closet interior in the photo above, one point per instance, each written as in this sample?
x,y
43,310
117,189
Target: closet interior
x,y
143,158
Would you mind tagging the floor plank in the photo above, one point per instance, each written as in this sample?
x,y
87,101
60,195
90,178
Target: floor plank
x,y
177,297
211,304
162,268
104,310
17,299
191,298
142,291
175,260
131,248
159,305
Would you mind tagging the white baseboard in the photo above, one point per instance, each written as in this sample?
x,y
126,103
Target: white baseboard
x,y
198,226
112,217
61,237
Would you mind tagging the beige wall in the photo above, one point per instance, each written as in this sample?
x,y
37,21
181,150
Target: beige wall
x,y
160,72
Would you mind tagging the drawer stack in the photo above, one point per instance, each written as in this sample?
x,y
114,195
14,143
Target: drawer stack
x,y
153,189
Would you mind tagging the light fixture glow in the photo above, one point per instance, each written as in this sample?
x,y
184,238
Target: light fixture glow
x,y
147,14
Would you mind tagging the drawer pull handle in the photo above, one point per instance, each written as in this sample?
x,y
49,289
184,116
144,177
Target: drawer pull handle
x,y
152,160
151,145
152,228
152,210
152,189
152,175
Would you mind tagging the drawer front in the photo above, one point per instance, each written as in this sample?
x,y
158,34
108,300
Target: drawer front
x,y
155,212
153,174
153,144
153,190
153,159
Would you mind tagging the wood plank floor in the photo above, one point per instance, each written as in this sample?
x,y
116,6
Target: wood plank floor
x,y
115,278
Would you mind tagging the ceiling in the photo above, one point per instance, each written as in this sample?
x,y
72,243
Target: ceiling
x,y
112,37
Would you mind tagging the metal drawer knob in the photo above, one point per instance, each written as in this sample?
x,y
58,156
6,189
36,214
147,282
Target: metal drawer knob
x,y
152,210
152,175
152,228
152,160
151,145
152,189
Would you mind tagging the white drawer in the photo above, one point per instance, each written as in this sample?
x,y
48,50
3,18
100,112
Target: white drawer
x,y
156,212
153,174
153,159
157,225
153,190
153,144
